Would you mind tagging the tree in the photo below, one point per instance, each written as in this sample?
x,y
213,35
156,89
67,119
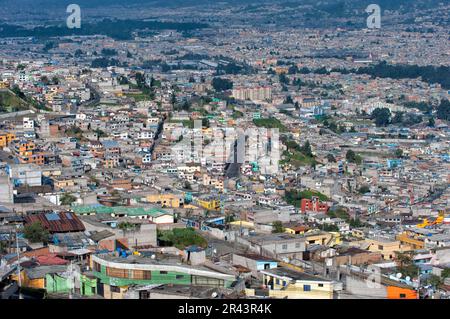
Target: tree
x,y
405,264
221,85
445,273
443,110
126,226
277,227
306,149
67,199
434,281
352,157
431,122
364,189
331,158
398,153
36,233
3,247
382,116
283,79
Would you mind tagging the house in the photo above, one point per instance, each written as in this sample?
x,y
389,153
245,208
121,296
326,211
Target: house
x,y
254,262
117,274
57,222
288,283
275,245
313,205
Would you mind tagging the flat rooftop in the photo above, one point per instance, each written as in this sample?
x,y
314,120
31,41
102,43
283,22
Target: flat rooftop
x,y
294,275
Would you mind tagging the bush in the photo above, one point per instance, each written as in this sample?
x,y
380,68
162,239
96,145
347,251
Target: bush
x,y
36,233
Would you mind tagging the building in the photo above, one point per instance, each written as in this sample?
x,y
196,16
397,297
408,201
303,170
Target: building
x,y
116,274
25,174
284,282
6,189
313,205
6,138
260,93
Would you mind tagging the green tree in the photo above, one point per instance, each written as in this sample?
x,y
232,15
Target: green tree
x,y
443,110
67,199
36,233
382,116
399,153
331,158
434,281
306,149
3,247
277,227
364,189
221,85
127,226
350,156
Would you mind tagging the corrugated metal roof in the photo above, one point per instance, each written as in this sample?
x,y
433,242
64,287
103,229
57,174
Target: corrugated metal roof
x,y
57,222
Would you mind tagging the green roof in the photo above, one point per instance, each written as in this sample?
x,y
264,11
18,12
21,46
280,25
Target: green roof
x,y
129,211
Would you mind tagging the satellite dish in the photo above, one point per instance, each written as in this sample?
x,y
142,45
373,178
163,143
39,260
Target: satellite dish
x,y
153,257
408,278
399,275
214,294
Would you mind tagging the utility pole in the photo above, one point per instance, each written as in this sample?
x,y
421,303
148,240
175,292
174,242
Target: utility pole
x,y
19,280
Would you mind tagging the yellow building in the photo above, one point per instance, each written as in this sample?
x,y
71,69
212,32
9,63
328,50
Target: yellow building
x,y
166,200
411,239
288,283
210,204
26,281
387,248
322,238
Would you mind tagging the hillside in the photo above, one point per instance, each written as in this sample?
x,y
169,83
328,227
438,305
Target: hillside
x,y
9,102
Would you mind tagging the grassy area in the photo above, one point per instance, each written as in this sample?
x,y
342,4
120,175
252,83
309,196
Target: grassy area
x,y
297,159
186,123
270,123
181,238
138,97
9,102
294,197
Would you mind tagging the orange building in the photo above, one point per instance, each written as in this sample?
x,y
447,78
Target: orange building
x,y
6,138
27,154
394,292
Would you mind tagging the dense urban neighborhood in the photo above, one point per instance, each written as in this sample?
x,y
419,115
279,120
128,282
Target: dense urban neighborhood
x,y
225,151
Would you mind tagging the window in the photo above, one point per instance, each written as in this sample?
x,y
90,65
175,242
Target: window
x,y
297,245
320,285
116,272
179,276
141,274
380,247
306,287
402,296
97,267
277,281
284,247
162,272
114,289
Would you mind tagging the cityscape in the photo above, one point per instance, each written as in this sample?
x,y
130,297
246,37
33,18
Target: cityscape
x,y
253,149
